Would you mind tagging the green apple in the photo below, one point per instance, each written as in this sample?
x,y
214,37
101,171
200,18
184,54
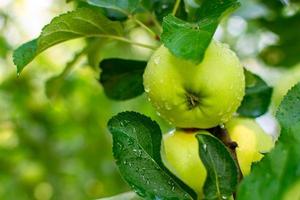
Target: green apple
x,y
289,78
195,96
251,139
293,193
140,35
181,156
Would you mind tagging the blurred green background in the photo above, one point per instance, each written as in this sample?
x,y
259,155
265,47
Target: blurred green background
x,y
59,148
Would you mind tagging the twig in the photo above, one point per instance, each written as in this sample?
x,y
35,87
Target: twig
x,y
176,6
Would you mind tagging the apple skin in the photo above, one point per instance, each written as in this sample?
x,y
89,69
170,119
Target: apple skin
x,y
195,96
251,139
293,193
181,156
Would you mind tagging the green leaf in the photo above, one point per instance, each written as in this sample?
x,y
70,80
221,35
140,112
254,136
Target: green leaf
x,y
136,147
189,40
122,79
83,22
289,114
124,196
278,172
125,6
222,170
257,98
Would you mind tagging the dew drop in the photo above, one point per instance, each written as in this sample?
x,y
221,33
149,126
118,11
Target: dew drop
x,y
157,60
130,142
120,146
224,197
168,106
173,188
204,147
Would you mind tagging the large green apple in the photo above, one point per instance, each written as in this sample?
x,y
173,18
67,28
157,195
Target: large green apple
x,y
195,96
251,139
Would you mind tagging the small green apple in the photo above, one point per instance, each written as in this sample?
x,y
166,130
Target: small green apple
x,y
140,35
181,156
293,193
289,78
251,139
195,96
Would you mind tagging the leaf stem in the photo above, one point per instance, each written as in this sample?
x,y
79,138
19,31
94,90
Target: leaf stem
x,y
129,41
70,65
156,23
145,27
176,6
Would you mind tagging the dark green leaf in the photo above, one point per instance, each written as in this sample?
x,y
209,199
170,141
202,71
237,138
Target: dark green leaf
x,y
189,40
289,113
125,6
83,22
276,176
136,147
258,96
115,15
122,79
222,170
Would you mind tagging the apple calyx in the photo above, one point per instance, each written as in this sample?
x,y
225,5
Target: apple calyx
x,y
193,99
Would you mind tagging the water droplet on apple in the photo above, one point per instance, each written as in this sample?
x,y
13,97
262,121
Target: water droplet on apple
x,y
147,89
168,106
157,60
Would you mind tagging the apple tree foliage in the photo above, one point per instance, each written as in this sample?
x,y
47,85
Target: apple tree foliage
x,y
186,30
